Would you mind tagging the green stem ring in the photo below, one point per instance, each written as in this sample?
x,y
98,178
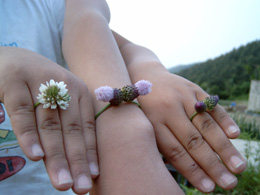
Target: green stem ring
x,y
193,116
109,105
36,104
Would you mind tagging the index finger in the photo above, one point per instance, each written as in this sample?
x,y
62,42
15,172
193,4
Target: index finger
x,y
20,107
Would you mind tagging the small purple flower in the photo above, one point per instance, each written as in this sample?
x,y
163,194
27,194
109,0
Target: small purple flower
x,y
117,97
104,94
200,106
143,87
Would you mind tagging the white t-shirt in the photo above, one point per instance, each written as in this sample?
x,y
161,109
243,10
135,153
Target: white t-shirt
x,y
35,25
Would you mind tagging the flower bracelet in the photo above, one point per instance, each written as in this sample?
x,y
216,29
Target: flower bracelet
x,y
127,93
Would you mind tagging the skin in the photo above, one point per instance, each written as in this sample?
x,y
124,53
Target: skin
x,y
191,147
64,139
100,57
128,155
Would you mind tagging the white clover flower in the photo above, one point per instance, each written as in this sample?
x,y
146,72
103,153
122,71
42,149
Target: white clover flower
x,y
54,94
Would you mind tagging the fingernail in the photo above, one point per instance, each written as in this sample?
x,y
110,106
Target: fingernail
x,y
37,150
93,169
64,177
208,185
84,182
233,129
236,162
227,179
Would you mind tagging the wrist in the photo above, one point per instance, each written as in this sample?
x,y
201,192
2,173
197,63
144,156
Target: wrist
x,y
147,70
127,122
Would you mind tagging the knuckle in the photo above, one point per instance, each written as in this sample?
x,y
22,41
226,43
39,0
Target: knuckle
x,y
22,109
27,130
26,127
207,125
51,124
193,169
195,141
54,153
224,145
91,151
212,163
72,128
78,158
175,154
90,125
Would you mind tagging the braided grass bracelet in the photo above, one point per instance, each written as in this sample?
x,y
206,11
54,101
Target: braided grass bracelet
x,y
127,93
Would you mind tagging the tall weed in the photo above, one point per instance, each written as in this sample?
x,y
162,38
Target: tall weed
x,y
250,128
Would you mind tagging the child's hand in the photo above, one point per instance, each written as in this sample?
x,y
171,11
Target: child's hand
x,y
191,147
64,139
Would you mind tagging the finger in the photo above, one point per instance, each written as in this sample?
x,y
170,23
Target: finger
x,y
20,108
176,154
200,150
89,133
55,160
222,118
218,124
75,146
225,122
220,144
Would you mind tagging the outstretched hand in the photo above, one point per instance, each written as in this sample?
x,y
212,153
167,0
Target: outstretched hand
x,y
199,149
64,139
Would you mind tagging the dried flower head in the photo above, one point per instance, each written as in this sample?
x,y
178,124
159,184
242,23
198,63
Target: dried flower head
x,y
143,87
53,94
200,106
104,94
117,97
211,102
130,92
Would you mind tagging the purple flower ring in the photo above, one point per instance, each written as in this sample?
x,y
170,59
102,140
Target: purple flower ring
x,y
207,104
127,93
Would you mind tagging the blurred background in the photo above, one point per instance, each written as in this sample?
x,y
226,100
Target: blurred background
x,y
187,31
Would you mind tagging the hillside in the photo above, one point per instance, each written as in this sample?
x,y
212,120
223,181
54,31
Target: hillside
x,y
228,75
179,68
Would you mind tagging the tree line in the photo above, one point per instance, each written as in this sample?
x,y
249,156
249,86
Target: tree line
x,y
228,75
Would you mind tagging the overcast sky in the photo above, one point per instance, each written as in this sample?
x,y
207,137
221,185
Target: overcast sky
x,y
187,31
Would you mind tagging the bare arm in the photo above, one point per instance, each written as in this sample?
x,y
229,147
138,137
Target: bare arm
x,y
128,157
189,146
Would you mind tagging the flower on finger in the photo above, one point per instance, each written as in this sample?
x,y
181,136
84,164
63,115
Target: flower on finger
x,y
54,94
211,102
200,106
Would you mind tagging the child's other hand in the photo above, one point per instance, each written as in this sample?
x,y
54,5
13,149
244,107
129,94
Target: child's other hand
x,y
191,147
64,139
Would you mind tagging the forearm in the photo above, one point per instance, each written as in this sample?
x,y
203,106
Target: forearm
x,y
124,134
91,51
